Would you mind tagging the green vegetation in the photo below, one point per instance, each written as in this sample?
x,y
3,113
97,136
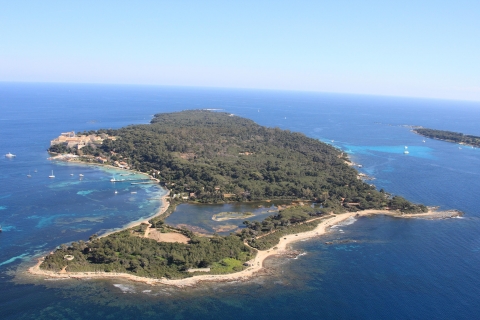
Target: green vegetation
x,y
124,252
158,221
211,157
270,240
60,148
405,206
449,136
227,265
266,234
222,216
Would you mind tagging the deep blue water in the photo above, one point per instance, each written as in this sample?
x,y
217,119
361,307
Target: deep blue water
x,y
395,269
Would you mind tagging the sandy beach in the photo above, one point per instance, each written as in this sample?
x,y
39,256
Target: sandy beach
x,y
256,263
161,210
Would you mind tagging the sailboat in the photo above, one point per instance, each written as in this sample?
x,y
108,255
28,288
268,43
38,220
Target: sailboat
x,y
29,175
51,176
35,170
10,155
406,151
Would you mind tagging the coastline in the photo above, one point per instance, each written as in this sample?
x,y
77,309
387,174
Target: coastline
x,y
256,264
445,140
64,158
160,211
163,199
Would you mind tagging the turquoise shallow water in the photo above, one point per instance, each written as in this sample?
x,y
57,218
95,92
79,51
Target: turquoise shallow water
x,y
413,151
395,268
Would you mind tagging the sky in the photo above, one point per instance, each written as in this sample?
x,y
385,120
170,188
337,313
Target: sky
x,y
415,48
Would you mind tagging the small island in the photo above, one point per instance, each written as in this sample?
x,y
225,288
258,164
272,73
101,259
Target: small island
x,y
210,157
449,136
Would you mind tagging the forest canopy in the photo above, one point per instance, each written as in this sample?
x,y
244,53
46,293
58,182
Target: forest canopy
x,y
212,157
449,136
215,156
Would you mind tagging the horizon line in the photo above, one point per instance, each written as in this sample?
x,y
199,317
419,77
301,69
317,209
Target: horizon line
x,y
239,88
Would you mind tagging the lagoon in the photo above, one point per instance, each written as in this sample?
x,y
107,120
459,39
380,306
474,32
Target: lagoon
x,y
221,218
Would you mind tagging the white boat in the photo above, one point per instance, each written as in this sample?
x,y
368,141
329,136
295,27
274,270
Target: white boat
x,y
71,174
116,191
406,151
29,175
51,176
423,141
10,155
80,175
35,170
133,192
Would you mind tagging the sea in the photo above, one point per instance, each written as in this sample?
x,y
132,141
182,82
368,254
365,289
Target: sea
x,y
376,267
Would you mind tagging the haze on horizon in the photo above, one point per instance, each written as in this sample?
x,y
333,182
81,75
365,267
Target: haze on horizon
x,y
410,48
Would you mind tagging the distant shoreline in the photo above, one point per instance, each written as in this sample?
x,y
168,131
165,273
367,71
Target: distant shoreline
x,y
256,264
454,137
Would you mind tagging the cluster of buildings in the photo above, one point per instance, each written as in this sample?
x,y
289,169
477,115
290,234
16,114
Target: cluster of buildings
x,y
71,140
121,164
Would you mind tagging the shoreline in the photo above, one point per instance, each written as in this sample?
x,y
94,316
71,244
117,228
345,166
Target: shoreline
x,y
160,211
62,158
165,204
446,140
256,264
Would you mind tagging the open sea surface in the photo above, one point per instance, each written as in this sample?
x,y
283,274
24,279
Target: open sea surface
x,y
395,268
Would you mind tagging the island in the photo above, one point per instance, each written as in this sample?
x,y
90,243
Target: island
x,y
202,156
449,136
